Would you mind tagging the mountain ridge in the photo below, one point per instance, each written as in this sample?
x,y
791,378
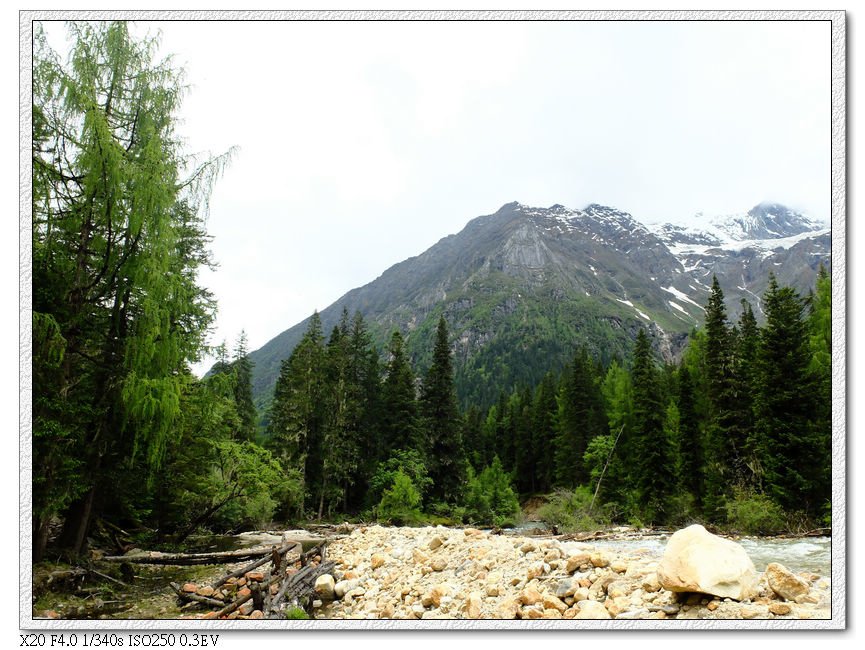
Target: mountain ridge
x,y
526,281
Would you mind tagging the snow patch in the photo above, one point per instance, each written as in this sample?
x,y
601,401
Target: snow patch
x,y
680,295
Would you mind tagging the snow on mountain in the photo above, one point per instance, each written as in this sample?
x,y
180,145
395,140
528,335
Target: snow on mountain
x,y
766,227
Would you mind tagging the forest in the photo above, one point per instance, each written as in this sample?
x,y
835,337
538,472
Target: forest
x,y
737,434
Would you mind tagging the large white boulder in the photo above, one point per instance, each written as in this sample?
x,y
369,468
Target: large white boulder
x,y
697,561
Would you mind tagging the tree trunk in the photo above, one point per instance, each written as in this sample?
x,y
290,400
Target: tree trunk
x,y
40,537
76,524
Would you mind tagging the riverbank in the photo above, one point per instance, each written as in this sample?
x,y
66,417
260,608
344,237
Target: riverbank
x,y
445,573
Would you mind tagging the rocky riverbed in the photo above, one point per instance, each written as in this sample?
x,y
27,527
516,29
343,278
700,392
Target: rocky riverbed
x,y
445,573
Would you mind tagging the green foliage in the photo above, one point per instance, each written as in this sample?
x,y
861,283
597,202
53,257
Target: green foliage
x,y
400,504
118,240
793,453
753,513
405,461
489,498
296,614
443,443
571,511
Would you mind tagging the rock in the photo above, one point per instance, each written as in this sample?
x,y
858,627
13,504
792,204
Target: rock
x,y
552,602
256,615
552,613
435,542
780,609
206,590
255,576
531,613
528,547
650,583
576,561
377,560
600,559
246,608
619,588
324,587
599,586
189,588
565,588
619,566
439,592
592,609
529,596
472,606
782,581
419,556
439,564
508,609
697,561
534,571
341,588
581,594
243,592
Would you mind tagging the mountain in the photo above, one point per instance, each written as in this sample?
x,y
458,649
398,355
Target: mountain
x,y
522,287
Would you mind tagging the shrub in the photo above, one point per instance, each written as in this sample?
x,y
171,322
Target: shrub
x,y
569,511
489,497
407,461
401,503
754,513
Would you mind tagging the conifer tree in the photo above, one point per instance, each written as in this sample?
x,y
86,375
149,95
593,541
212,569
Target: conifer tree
x,y
791,453
690,440
297,412
117,240
242,368
580,419
444,446
399,426
652,472
544,422
721,449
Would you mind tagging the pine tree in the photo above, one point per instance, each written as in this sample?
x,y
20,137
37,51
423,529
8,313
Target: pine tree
x,y
444,446
544,423
791,453
580,419
744,389
242,367
652,472
297,412
721,449
399,425
690,440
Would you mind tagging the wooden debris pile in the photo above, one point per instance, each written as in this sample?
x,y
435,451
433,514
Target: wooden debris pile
x,y
263,589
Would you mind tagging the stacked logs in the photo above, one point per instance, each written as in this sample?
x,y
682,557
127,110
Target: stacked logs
x,y
265,588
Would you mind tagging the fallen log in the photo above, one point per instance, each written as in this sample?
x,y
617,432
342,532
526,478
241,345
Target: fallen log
x,y
225,611
186,559
300,584
282,551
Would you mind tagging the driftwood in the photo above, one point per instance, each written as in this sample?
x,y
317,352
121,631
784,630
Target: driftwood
x,y
186,559
282,551
298,585
204,600
242,599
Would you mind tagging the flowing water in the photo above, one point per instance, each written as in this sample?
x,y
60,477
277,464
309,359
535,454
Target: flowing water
x,y
798,554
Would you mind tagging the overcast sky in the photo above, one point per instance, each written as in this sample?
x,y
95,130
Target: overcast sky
x,y
363,143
